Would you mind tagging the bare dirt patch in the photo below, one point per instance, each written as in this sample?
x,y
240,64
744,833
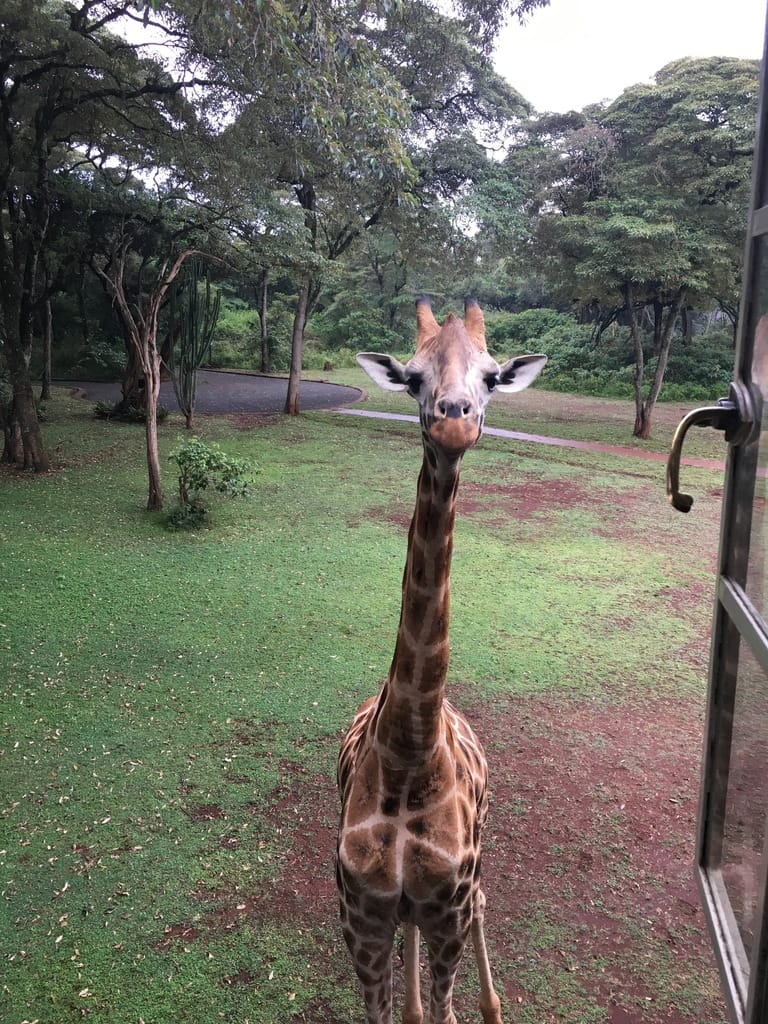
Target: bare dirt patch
x,y
519,501
593,913
589,864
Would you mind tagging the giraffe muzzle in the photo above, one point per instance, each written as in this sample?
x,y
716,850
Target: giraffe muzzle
x,y
455,433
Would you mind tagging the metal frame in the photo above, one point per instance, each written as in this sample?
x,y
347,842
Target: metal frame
x,y
736,622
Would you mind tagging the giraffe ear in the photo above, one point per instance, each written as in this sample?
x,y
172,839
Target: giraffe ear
x,y
516,374
384,370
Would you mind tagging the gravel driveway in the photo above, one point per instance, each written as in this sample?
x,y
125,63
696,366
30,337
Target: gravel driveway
x,y
222,392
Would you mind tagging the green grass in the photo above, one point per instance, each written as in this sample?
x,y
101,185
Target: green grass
x,y
149,674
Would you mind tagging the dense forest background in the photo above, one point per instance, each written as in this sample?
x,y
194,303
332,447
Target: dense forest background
x,y
316,167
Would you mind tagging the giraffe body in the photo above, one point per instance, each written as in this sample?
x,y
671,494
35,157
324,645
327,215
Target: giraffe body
x,y
412,774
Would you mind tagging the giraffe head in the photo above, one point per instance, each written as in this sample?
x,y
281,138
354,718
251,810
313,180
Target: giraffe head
x,y
451,376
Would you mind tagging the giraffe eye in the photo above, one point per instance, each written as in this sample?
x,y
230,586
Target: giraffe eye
x,y
491,381
415,380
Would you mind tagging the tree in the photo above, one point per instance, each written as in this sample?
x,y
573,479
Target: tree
x,y
651,224
140,314
194,310
70,91
457,108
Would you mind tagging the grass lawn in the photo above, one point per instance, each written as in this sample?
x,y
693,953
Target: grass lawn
x,y
172,706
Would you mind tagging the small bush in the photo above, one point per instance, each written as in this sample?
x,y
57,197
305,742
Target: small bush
x,y
104,359
356,330
505,332
319,359
204,467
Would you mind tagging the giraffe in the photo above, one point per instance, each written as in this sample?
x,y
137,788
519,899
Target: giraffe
x,y
412,775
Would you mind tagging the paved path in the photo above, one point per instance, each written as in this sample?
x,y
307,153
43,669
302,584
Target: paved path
x,y
222,392
563,442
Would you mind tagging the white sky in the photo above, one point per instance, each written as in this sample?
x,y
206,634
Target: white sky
x,y
577,52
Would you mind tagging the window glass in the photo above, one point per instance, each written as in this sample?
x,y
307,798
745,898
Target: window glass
x,y
747,796
757,581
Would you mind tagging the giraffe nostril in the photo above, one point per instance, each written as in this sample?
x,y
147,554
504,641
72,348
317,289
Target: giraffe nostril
x,y
453,410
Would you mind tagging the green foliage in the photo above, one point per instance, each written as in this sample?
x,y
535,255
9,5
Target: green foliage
x,y
203,467
506,333
104,358
360,329
317,359
235,340
579,364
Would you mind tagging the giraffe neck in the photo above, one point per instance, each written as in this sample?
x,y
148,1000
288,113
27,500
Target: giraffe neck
x,y
410,721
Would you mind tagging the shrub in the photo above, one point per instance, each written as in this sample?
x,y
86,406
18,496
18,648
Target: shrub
x,y
104,359
505,332
204,467
237,342
318,358
696,372
358,329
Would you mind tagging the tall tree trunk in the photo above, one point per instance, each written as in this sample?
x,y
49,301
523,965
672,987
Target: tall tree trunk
x,y
151,360
297,348
658,325
45,391
133,384
264,365
687,323
665,342
637,377
26,448
82,308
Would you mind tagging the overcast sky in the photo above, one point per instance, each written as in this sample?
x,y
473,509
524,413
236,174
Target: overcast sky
x,y
577,52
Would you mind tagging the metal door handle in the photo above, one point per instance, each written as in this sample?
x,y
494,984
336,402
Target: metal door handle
x,y
736,415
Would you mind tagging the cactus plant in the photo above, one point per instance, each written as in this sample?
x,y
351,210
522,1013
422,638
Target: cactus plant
x,y
194,310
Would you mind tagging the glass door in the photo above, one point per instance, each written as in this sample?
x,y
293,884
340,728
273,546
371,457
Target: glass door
x,y
732,841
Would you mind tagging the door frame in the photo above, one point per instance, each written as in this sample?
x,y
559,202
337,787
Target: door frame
x,y
736,621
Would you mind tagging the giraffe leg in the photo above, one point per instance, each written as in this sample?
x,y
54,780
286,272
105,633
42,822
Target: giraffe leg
x,y
445,942
372,959
490,1007
412,1010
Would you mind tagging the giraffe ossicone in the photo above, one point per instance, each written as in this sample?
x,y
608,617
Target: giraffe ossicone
x,y
412,775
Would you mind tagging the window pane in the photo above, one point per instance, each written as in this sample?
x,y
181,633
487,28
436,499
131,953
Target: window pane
x,y
747,798
757,577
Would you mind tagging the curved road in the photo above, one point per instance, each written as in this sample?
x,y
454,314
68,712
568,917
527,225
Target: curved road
x,y
222,392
